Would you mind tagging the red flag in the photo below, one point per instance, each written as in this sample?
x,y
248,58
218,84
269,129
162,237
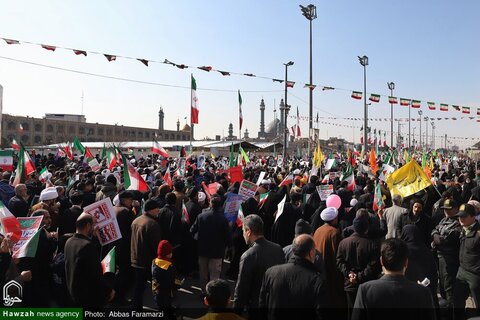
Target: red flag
x,y
10,41
288,180
15,145
80,52
158,149
49,48
167,178
373,161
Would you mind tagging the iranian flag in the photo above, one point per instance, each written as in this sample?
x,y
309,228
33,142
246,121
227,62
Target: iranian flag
x,y
392,100
44,175
349,177
325,179
330,162
377,198
111,159
91,160
158,149
374,97
68,151
78,145
167,178
132,179
240,115
194,104
263,198
478,111
416,104
299,133
9,224
25,166
185,215
288,180
466,110
443,107
108,263
240,217
6,160
431,105
15,145
404,102
356,95
29,248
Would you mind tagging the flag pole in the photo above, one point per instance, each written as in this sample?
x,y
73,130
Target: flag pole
x,y
191,124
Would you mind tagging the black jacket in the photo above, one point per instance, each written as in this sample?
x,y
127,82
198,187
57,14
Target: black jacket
x,y
296,284
67,220
262,255
404,297
422,221
470,250
83,270
359,255
212,233
283,230
18,207
193,209
448,234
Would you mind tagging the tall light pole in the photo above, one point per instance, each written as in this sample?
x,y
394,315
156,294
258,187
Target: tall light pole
x,y
413,138
433,135
420,114
285,132
409,126
426,133
391,86
310,12
364,62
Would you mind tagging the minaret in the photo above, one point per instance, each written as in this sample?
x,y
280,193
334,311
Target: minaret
x,y
245,134
230,131
161,116
282,117
261,134
178,124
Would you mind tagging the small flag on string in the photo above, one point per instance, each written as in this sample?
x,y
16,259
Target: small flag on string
x,y
80,52
443,107
49,48
289,84
356,95
310,86
392,100
431,105
456,107
10,41
416,104
205,68
466,110
374,97
328,88
404,102
224,73
144,61
110,57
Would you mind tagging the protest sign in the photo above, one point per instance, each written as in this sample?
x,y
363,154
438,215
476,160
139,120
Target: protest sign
x,y
105,219
247,189
27,245
324,191
232,205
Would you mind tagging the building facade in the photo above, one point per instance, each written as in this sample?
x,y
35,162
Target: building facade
x,y
57,128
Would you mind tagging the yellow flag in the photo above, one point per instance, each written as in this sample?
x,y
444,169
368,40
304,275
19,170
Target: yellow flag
x,y
318,156
432,166
406,156
408,180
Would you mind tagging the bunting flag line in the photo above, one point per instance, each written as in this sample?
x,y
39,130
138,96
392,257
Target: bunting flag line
x,y
357,95
392,100
374,97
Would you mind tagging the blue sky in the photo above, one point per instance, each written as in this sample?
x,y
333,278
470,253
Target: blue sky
x,y
428,48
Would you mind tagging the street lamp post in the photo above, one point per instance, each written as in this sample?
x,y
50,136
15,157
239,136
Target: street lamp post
x,y
391,86
364,62
426,133
413,138
285,131
420,140
310,12
433,135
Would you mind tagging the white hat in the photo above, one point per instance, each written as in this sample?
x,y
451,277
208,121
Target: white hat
x,y
116,200
48,194
353,202
201,197
329,214
266,181
132,161
296,171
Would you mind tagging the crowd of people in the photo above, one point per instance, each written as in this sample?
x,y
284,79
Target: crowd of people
x,y
419,253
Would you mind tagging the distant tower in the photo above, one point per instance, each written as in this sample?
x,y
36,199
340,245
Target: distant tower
x,y
178,125
245,135
261,134
230,131
282,117
161,116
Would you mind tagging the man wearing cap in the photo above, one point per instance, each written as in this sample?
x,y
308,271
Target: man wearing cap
x,y
146,235
327,238
468,276
446,239
85,282
48,198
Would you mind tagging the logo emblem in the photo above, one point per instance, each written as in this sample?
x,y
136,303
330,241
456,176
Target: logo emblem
x,y
12,293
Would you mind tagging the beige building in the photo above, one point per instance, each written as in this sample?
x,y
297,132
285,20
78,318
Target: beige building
x,y
56,128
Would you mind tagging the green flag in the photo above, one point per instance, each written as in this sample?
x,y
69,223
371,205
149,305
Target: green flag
x,y
424,159
233,159
108,263
244,155
104,152
78,145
